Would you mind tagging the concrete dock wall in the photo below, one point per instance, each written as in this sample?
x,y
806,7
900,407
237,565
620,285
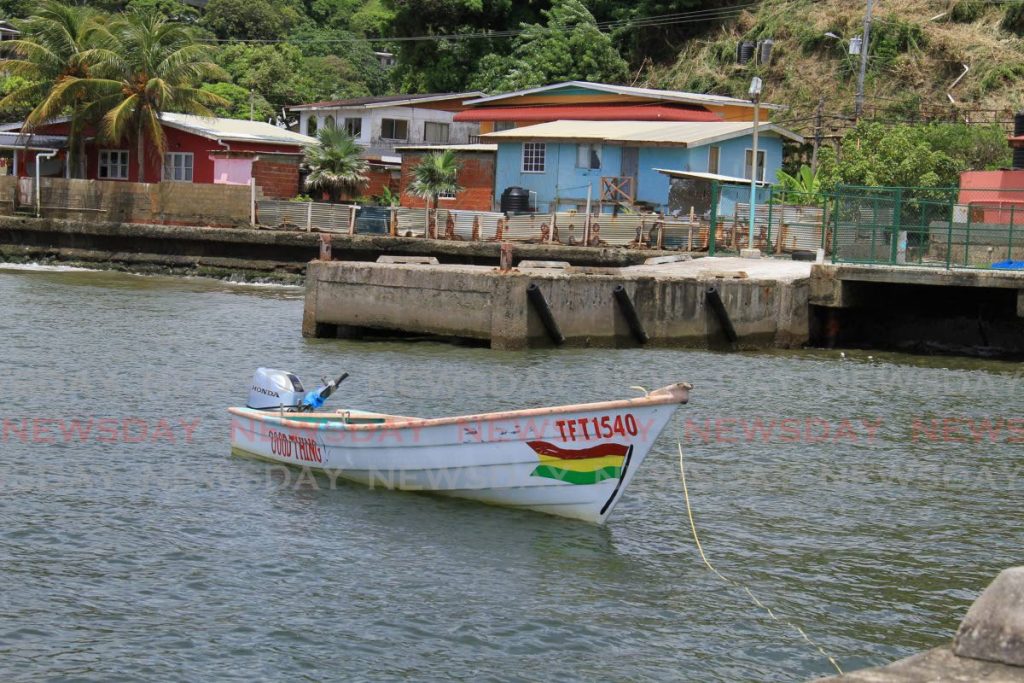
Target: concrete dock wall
x,y
222,251
919,310
349,299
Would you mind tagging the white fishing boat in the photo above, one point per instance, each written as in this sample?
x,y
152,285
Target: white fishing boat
x,y
572,461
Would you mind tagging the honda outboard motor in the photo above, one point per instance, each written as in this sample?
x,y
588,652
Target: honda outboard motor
x,y
275,389
280,390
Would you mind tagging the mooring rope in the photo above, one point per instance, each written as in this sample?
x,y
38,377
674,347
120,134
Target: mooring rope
x,y
700,549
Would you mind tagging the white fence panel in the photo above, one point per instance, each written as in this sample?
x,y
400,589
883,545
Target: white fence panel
x,y
412,220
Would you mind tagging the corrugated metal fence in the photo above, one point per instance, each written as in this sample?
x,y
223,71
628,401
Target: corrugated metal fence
x,y
777,227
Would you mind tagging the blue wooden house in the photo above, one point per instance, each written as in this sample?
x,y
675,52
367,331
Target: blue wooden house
x,y
617,162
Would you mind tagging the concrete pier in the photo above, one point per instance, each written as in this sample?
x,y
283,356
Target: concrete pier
x,y
766,301
988,647
916,309
243,252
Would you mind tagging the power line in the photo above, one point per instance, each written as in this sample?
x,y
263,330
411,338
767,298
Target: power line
x,y
696,16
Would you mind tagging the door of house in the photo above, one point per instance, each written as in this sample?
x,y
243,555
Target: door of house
x,y
630,162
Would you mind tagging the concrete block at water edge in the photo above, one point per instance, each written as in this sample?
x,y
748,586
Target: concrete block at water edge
x,y
557,265
993,629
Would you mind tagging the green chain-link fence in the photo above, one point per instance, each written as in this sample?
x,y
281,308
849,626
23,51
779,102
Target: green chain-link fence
x,y
926,226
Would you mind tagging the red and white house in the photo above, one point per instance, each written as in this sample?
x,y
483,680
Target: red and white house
x,y
198,150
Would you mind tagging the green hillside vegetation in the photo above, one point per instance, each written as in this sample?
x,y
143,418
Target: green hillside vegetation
x,y
273,53
918,50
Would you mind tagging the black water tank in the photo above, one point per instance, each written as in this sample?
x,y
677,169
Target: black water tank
x,y
1018,129
515,200
744,52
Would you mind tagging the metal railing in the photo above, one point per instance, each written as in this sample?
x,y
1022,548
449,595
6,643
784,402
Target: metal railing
x,y
928,227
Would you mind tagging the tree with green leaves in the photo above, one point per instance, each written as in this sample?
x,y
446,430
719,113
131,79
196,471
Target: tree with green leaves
x,y
174,10
335,165
568,46
436,174
445,65
249,19
803,186
926,155
151,66
239,102
54,58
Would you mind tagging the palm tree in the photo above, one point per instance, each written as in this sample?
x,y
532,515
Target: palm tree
x,y
56,51
436,174
334,163
149,66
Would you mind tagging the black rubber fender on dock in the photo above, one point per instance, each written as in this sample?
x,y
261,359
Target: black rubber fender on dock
x,y
714,300
540,304
629,313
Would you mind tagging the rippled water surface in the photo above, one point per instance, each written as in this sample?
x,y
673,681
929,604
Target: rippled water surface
x,y
866,499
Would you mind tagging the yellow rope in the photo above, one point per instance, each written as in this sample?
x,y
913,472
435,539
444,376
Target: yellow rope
x,y
700,549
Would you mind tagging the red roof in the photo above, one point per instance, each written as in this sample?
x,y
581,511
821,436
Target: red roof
x,y
582,112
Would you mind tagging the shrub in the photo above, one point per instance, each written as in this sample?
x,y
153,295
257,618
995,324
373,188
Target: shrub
x,y
1013,18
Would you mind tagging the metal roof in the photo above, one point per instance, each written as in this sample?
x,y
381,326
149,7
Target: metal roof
x,y
473,147
591,112
387,101
17,140
651,133
698,175
629,91
235,130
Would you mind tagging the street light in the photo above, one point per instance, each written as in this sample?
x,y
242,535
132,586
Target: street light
x,y
755,97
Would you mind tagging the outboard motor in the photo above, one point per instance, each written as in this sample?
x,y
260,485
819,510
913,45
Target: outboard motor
x,y
280,390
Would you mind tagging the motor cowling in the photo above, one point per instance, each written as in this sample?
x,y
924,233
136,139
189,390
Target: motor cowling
x,y
275,389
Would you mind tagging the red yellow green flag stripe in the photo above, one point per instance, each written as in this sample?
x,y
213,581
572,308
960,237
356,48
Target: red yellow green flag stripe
x,y
590,465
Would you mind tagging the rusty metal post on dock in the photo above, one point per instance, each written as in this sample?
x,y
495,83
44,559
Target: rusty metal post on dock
x,y
325,247
505,257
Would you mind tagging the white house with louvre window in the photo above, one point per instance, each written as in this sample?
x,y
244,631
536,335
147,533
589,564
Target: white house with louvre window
x,y
379,124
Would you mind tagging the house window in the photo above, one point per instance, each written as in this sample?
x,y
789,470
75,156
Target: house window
x,y
394,129
435,132
760,164
713,154
504,125
446,195
330,123
533,157
311,126
113,164
588,156
178,166
354,126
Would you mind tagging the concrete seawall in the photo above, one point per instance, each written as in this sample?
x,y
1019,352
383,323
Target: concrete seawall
x,y
766,302
988,646
223,252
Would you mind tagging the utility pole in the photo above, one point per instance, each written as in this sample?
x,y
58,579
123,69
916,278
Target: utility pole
x,y
818,125
755,96
865,43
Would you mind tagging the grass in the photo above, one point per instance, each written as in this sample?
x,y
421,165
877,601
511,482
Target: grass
x,y
917,54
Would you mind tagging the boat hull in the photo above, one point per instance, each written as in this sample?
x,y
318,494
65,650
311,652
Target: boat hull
x,y
571,461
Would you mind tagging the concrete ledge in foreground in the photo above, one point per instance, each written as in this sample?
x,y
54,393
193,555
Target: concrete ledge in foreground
x,y
988,648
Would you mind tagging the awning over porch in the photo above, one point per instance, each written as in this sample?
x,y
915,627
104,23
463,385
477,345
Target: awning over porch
x,y
700,175
30,141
